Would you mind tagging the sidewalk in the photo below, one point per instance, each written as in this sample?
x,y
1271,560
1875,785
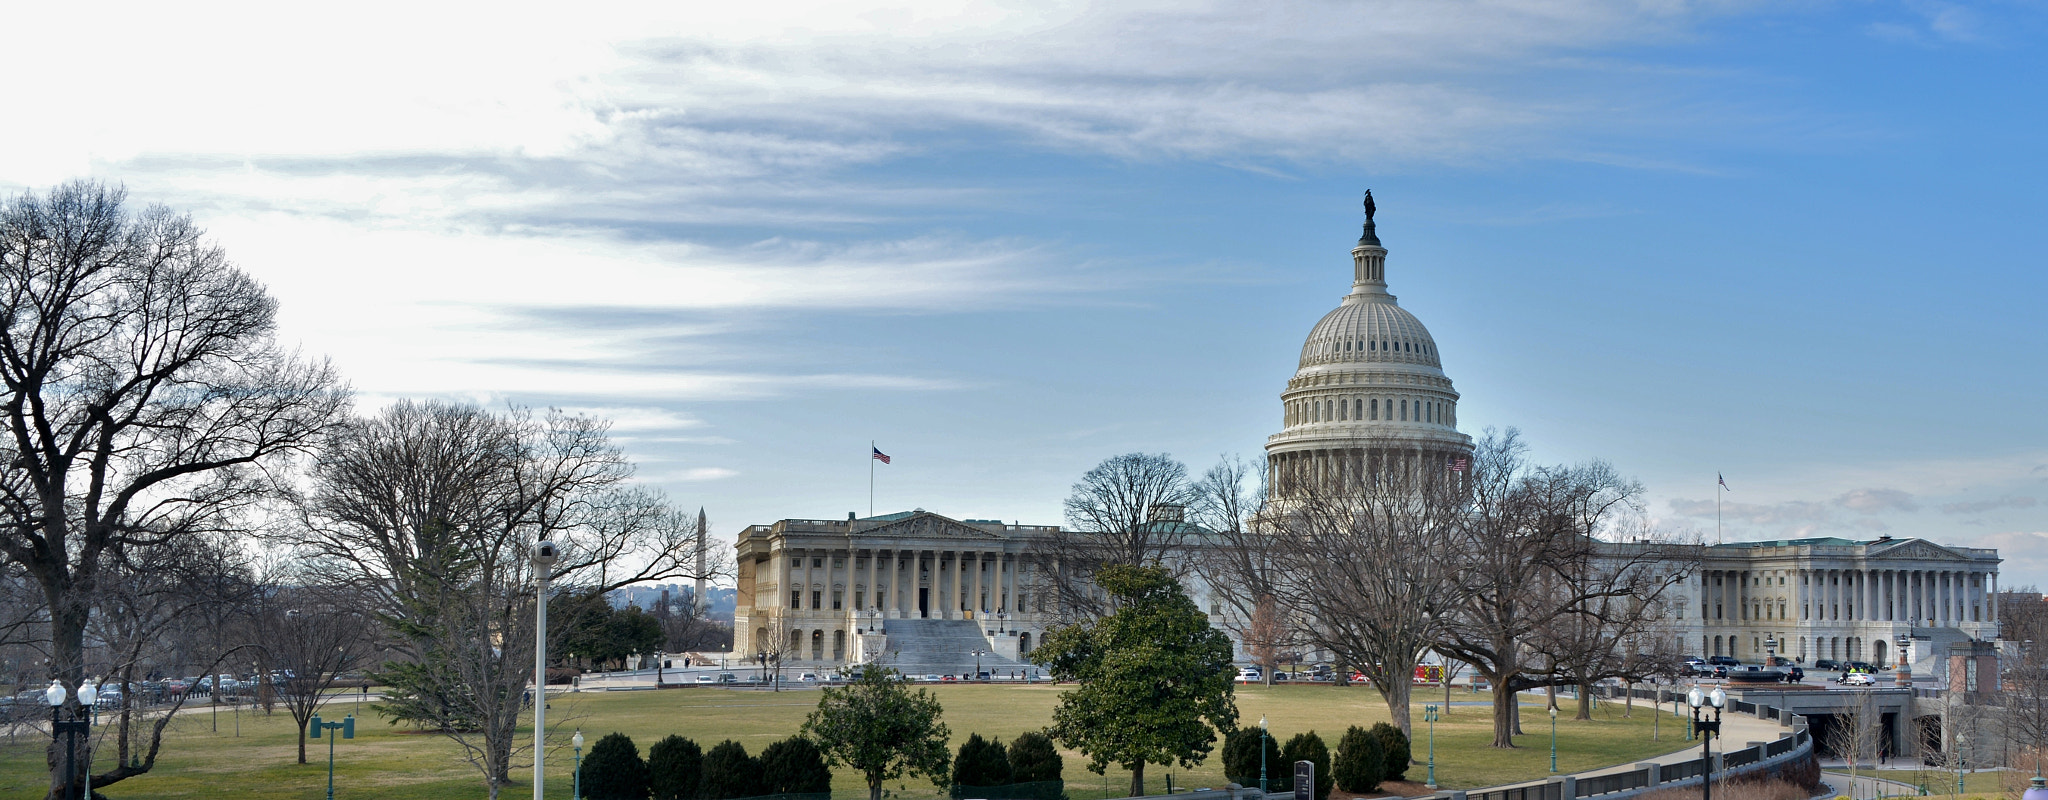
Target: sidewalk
x,y
1740,729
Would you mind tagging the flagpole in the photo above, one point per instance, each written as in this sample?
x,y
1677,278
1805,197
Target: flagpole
x,y
871,477
1719,484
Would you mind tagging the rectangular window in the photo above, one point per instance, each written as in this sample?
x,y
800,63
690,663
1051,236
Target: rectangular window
x,y
817,599
796,599
818,563
838,598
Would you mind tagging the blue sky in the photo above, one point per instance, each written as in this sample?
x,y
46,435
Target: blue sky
x,y
1795,242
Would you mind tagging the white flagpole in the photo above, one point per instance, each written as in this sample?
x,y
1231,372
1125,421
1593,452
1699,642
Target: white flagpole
x,y
1719,484
871,477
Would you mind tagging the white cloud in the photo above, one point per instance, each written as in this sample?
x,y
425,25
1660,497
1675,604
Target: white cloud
x,y
1868,500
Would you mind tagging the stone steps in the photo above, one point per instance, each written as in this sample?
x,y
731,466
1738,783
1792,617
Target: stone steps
x,y
939,646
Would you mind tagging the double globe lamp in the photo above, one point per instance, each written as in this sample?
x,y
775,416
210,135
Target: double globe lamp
x,y
75,729
1707,730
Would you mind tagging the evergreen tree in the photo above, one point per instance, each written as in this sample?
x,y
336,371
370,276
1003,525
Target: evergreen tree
x,y
730,772
1034,759
675,769
1359,764
1155,679
981,762
1241,760
1394,751
1309,747
794,766
614,771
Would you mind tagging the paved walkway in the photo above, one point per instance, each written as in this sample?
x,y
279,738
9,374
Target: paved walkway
x,y
1739,729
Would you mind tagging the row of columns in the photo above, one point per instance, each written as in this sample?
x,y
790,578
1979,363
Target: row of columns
x,y
982,581
1948,597
1349,466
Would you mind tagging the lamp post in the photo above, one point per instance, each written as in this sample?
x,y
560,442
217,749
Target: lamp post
x,y
1962,741
1262,756
544,558
576,783
977,663
1707,730
79,727
347,726
1429,715
1553,740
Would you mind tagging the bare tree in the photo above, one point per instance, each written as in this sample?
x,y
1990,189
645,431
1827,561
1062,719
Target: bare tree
x,y
1238,564
1127,510
685,627
1852,735
144,395
2025,694
1369,565
323,633
432,508
1532,563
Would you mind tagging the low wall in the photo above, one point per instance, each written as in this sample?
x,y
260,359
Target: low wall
x,y
1757,757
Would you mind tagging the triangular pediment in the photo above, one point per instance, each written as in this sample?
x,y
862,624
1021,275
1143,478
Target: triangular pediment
x,y
1918,549
927,525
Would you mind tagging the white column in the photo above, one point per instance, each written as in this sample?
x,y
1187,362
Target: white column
x,y
974,593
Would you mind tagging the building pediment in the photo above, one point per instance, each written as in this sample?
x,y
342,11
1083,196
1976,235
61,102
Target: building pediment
x,y
1917,550
927,525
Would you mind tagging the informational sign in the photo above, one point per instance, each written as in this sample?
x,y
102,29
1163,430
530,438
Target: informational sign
x,y
1304,780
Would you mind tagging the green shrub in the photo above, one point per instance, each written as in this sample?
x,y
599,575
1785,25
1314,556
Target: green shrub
x,y
675,768
1309,747
1241,760
1033,758
1394,751
1359,764
614,771
794,766
981,762
730,772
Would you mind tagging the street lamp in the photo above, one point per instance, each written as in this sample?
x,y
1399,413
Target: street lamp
x,y
1429,715
1553,740
347,726
977,663
576,783
1262,756
72,730
1962,741
544,558
1707,730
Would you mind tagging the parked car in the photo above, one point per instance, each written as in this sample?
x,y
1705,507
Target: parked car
x,y
1858,679
808,677
1863,666
1250,674
1827,665
982,676
931,678
727,677
706,677
1724,661
949,679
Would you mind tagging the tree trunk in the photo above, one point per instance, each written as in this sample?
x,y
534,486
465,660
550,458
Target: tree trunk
x,y
1138,780
1585,702
1504,716
1398,693
302,741
875,787
1628,699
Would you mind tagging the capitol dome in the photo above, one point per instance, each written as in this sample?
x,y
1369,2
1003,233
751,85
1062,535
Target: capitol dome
x,y
1370,394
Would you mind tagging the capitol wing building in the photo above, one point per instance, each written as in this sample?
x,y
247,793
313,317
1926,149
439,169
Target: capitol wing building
x,y
929,594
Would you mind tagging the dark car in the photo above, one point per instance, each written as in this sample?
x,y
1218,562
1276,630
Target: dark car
x,y
1862,666
1795,675
1828,665
1724,661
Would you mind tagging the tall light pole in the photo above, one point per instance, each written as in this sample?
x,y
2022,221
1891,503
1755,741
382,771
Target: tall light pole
x,y
544,558
79,727
347,726
1962,741
1429,715
1553,740
977,663
1707,729
1262,756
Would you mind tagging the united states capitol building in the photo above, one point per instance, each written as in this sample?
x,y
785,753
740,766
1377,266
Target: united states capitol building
x,y
928,593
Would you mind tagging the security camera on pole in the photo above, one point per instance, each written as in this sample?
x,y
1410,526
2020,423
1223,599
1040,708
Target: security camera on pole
x,y
544,558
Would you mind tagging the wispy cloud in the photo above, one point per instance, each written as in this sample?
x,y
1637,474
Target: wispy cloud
x,y
1981,506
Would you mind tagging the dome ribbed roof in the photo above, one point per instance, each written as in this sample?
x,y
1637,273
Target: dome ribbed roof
x,y
1369,329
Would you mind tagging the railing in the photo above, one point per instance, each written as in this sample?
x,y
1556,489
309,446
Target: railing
x,y
1747,759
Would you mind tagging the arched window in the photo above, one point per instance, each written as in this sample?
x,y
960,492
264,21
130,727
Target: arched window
x,y
1343,410
1358,410
1404,409
1375,408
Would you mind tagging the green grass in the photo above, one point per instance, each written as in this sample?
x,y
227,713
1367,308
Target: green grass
x,y
387,762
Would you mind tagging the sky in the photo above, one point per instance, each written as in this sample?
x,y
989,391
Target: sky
x,y
1792,243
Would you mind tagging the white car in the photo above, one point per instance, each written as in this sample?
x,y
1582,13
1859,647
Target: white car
x,y
707,678
808,677
1858,679
1249,674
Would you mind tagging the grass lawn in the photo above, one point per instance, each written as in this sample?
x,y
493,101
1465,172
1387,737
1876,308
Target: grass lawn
x,y
386,762
1942,783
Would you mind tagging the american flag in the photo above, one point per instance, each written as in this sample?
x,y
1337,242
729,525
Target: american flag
x,y
879,455
1455,464
1724,481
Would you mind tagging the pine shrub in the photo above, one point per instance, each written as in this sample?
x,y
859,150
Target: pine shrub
x,y
982,762
794,766
1309,747
1033,758
675,768
729,772
1394,750
1241,760
614,771
1359,764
